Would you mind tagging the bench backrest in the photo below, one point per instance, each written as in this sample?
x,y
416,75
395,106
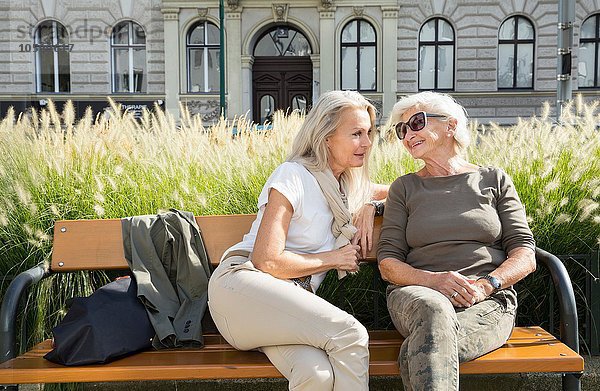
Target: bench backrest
x,y
98,244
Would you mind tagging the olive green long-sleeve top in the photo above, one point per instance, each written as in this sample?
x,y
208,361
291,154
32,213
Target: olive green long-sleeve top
x,y
466,223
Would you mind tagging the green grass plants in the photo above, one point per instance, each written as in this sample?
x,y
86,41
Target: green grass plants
x,y
111,165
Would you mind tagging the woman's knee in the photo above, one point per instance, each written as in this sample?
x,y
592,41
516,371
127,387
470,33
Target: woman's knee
x,y
359,334
352,338
419,309
312,376
362,335
437,310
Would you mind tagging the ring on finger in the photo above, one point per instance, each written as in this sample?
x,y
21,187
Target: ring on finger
x,y
452,296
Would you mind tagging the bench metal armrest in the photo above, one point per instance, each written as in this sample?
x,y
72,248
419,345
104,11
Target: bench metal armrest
x,y
569,333
10,305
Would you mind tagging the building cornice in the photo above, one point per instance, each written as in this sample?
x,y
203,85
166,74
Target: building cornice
x,y
389,12
94,97
326,14
170,13
321,5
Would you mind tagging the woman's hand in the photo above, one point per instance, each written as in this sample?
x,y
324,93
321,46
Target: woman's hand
x,y
363,220
345,258
457,288
482,290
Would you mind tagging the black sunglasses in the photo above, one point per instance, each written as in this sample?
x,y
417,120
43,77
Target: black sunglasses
x,y
416,122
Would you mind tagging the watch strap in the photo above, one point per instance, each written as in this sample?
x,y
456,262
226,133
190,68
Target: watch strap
x,y
379,207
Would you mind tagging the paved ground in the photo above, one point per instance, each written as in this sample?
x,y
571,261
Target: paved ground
x,y
529,382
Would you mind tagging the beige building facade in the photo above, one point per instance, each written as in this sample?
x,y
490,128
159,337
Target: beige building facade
x,y
498,58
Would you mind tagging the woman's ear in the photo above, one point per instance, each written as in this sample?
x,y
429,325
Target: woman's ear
x,y
452,125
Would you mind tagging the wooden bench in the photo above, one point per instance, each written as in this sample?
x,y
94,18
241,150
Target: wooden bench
x,y
97,245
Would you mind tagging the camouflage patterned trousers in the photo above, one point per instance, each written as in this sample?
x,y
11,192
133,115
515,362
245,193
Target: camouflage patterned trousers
x,y
438,336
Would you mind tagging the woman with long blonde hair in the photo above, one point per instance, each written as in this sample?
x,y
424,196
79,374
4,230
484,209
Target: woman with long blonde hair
x,y
261,295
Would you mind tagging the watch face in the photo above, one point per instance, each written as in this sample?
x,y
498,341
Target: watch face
x,y
494,281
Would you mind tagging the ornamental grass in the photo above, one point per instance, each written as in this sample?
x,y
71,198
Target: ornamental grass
x,y
111,165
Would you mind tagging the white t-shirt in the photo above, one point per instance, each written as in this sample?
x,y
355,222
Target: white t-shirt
x,y
310,227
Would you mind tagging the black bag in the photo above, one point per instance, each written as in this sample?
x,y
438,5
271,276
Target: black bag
x,y
109,324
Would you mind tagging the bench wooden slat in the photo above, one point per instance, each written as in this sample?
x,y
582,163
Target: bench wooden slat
x,y
87,245
530,349
98,244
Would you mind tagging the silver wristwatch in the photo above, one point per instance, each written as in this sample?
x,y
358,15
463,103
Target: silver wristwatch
x,y
494,282
379,206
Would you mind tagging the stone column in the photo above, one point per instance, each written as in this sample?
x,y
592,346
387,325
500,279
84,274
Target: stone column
x,y
233,63
389,44
171,39
246,84
327,50
316,63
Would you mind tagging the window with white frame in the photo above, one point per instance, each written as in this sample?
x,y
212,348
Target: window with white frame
x,y
282,41
128,46
516,48
203,56
588,71
52,60
436,55
358,56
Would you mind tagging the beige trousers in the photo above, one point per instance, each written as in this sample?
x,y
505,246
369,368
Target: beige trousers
x,y
314,344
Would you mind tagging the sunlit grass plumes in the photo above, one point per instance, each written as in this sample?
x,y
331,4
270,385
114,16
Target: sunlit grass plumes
x,y
556,170
114,166
111,165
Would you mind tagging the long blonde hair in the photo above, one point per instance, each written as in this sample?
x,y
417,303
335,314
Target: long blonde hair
x,y
320,123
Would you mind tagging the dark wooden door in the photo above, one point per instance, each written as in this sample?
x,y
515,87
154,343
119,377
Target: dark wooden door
x,y
280,83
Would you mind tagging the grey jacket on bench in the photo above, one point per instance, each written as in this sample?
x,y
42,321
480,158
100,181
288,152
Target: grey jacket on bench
x,y
169,262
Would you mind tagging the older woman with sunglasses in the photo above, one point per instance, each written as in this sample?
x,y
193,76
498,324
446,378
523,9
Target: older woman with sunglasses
x,y
453,242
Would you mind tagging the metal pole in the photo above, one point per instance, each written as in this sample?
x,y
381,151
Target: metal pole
x,y
566,19
222,59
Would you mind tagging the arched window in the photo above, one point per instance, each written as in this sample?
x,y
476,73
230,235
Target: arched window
x,y
203,56
436,55
516,47
282,41
52,63
128,44
359,56
588,71
267,108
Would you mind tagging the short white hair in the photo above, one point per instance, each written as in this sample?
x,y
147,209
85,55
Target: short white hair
x,y
436,103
